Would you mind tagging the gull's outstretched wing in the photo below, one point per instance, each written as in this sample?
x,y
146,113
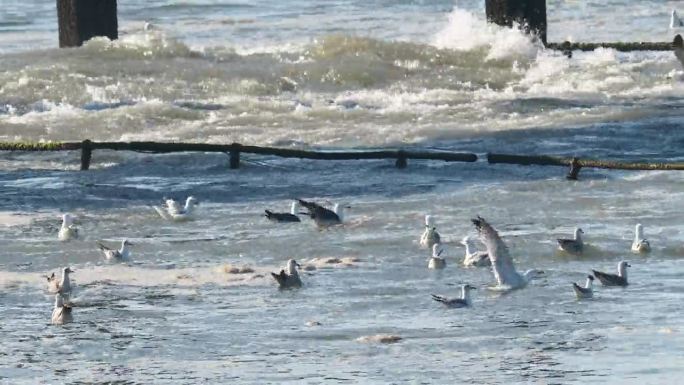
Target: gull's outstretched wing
x,y
502,263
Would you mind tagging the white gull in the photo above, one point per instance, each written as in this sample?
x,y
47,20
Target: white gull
x,y
68,231
640,245
63,286
172,211
61,313
430,236
572,246
436,262
324,217
290,278
463,301
474,258
584,292
502,264
619,279
284,217
112,254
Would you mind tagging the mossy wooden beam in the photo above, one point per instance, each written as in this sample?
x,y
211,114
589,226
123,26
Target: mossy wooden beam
x,y
577,164
619,46
48,146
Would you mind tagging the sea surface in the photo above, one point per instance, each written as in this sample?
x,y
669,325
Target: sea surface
x,y
339,75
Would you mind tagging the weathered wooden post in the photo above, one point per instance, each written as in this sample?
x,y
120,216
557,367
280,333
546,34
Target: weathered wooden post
x,y
80,20
530,14
235,156
574,169
86,154
401,159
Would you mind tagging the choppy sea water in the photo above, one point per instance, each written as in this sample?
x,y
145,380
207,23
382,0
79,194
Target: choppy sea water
x,y
342,74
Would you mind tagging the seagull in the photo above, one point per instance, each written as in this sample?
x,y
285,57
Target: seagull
x,y
285,217
62,286
502,263
290,278
464,301
61,314
68,231
430,235
678,48
584,292
675,21
612,279
474,258
572,246
322,216
435,261
640,245
172,211
111,254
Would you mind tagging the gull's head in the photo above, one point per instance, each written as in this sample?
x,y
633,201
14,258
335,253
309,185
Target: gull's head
x,y
292,264
437,250
429,221
468,287
590,277
67,270
578,231
126,242
191,201
623,264
678,42
68,219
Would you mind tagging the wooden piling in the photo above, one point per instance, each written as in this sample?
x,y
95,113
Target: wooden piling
x,y
574,169
86,154
235,156
401,162
81,20
529,14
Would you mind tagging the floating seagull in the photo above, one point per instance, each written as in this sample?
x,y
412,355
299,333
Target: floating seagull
x,y
678,48
640,245
430,235
675,21
435,261
322,216
474,258
464,301
61,314
290,278
111,254
285,217
584,292
612,279
502,264
572,246
68,231
63,286
172,211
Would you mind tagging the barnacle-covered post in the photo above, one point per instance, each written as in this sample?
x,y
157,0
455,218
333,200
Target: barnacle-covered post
x,y
530,14
81,20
